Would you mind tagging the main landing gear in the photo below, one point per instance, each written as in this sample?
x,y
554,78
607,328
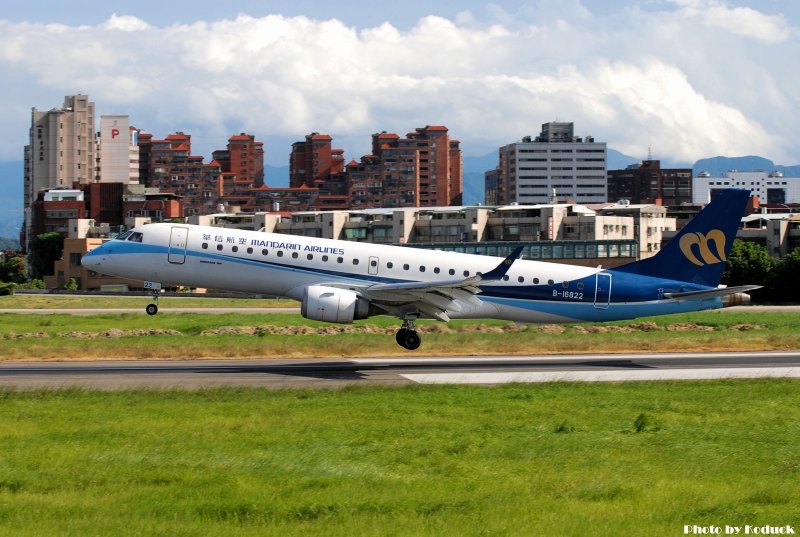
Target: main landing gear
x,y
407,337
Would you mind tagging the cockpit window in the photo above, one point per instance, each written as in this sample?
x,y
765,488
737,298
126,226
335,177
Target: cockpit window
x,y
123,236
135,236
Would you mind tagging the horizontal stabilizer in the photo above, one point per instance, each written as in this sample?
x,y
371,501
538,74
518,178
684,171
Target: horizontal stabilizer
x,y
722,291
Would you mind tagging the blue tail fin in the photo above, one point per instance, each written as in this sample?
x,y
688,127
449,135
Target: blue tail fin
x,y
699,251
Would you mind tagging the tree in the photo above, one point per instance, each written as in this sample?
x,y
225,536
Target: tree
x,y
14,270
45,250
783,280
749,263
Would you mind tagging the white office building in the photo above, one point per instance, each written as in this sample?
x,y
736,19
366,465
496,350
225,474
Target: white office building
x,y
556,165
771,188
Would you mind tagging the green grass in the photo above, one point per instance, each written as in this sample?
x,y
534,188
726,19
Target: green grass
x,y
46,301
557,459
59,336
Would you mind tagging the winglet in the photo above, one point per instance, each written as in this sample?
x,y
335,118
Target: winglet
x,y
500,270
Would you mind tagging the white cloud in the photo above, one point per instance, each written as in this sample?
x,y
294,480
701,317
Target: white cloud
x,y
743,21
684,80
125,23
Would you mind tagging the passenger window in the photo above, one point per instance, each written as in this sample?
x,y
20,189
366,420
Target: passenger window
x,y
235,248
406,267
310,257
295,255
205,246
521,279
264,251
550,282
436,270
389,264
505,278
373,263
536,280
452,272
580,286
280,253
340,260
325,258
219,247
355,261
466,273
249,250
565,285
422,269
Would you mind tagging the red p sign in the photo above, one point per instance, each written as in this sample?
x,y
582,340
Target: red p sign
x,y
114,133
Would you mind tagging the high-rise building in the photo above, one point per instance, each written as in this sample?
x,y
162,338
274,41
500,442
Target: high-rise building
x,y
244,158
421,170
439,165
556,164
650,183
61,151
117,151
174,169
313,161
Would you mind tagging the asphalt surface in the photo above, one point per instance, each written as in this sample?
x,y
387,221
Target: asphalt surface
x,y
196,374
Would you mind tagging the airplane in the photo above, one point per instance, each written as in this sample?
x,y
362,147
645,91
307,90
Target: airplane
x,y
342,281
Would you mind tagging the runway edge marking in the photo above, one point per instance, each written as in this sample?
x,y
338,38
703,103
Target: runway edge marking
x,y
603,376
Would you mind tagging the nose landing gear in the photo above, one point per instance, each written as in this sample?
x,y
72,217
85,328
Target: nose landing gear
x,y
155,287
407,337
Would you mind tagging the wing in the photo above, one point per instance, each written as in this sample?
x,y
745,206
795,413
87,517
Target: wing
x,y
435,298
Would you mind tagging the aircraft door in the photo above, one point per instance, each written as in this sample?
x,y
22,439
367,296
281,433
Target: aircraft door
x,y
602,290
373,265
177,245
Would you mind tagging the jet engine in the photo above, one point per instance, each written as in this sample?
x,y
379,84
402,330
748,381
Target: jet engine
x,y
735,299
333,305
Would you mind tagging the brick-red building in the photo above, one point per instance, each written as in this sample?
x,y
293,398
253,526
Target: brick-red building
x,y
244,158
421,170
173,169
650,183
314,161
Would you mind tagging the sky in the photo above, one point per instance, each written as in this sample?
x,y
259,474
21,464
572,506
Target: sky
x,y
677,79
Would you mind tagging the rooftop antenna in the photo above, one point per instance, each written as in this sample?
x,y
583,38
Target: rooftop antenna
x,y
649,153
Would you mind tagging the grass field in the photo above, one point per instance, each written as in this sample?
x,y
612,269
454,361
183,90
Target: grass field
x,y
193,335
46,301
558,459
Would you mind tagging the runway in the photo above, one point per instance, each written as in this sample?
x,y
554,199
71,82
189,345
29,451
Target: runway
x,y
277,374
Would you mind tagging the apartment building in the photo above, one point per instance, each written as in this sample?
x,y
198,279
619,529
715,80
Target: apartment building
x,y
60,152
314,162
648,182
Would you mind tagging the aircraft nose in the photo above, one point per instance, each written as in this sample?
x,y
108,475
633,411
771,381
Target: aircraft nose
x,y
94,258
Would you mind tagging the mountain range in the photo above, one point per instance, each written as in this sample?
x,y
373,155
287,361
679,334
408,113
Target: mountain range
x,y
11,179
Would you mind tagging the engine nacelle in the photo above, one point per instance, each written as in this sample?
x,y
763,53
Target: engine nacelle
x,y
735,299
333,305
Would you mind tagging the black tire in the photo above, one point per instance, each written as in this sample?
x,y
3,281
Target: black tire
x,y
412,340
151,309
400,337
